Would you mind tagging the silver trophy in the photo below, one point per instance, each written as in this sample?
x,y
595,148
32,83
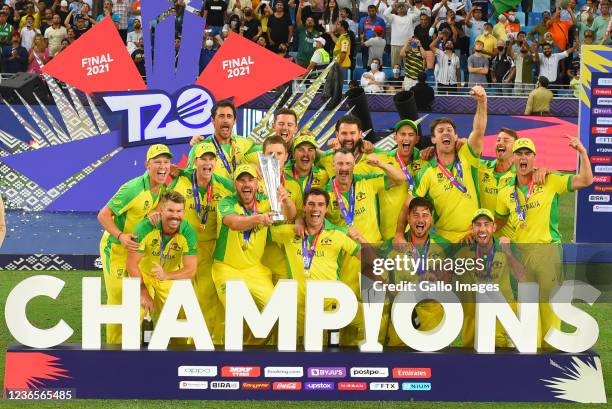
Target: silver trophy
x,y
271,172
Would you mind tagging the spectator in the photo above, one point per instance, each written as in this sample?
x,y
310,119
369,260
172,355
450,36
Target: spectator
x,y
541,28
47,22
72,20
499,29
280,29
600,23
402,25
138,57
55,34
39,49
252,26
233,24
29,10
262,41
539,99
342,50
347,15
214,13
569,13
71,36
306,35
15,58
207,53
503,70
549,62
320,58
134,35
6,31
81,26
375,45
512,25
396,82
478,66
331,14
373,81
559,30
444,6
475,24
515,43
366,30
488,40
421,8
421,32
448,67
65,44
575,84
423,94
122,9
413,54
524,63
548,39
585,18
107,11
237,7
28,33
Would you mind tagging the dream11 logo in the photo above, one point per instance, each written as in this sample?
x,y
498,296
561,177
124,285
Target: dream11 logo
x,y
154,114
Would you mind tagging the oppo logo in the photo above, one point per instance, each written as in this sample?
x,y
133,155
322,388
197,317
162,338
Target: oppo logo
x,y
203,371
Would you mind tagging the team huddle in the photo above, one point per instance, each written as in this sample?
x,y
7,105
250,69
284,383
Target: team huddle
x,y
213,222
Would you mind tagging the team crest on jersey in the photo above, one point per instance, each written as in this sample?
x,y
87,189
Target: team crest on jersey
x,y
486,177
188,193
360,196
154,242
176,247
497,264
440,177
538,189
216,196
326,241
146,204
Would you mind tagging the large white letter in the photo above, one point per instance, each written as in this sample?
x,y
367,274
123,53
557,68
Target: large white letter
x,y
373,306
432,340
317,319
17,320
193,326
587,330
95,313
523,331
281,307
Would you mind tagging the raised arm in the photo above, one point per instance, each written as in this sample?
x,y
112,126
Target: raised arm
x,y
584,177
479,126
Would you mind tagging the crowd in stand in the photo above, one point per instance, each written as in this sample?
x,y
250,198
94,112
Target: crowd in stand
x,y
385,44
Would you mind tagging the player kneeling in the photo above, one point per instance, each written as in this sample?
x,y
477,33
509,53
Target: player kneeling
x,y
166,252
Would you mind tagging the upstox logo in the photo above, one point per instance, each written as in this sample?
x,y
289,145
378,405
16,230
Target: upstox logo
x,y
201,371
369,372
240,371
412,372
283,371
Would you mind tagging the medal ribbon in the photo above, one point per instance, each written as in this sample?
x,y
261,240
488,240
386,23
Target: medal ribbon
x,y
306,188
347,215
308,253
196,197
522,214
416,255
246,235
450,177
221,154
405,170
489,257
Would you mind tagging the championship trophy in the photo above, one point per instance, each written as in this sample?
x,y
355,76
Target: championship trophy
x,y
271,172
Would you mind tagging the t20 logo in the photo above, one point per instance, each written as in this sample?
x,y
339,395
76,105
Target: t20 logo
x,y
153,114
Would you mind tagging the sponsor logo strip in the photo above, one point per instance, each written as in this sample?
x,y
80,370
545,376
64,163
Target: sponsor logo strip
x,y
287,386
384,386
319,386
416,386
234,385
193,385
240,371
603,188
352,386
283,371
256,386
369,372
412,372
326,372
201,371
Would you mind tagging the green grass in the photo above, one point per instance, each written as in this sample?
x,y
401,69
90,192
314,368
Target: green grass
x,y
45,313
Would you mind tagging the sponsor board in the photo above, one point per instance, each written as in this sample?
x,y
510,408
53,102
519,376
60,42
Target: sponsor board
x,y
602,208
326,372
352,386
201,371
601,130
369,372
287,386
384,386
603,188
193,385
412,372
601,179
240,371
603,140
319,386
604,81
599,198
604,101
233,385
256,386
416,386
601,159
283,371
602,91
604,121
602,111
603,169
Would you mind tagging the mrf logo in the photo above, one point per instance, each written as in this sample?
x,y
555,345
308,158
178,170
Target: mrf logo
x,y
154,116
240,371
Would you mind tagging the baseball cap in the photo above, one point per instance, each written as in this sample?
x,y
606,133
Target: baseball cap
x,y
408,122
244,168
523,143
378,29
158,149
320,40
304,139
483,212
203,148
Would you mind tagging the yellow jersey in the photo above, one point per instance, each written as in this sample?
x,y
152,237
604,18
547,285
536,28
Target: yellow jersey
x,y
233,153
326,161
319,178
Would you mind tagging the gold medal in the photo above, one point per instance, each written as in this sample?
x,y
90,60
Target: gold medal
x,y
202,227
523,225
245,245
307,273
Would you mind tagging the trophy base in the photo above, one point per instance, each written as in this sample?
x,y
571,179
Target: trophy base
x,y
277,218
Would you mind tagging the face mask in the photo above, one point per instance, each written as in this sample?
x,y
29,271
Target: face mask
x,y
373,66
500,48
209,43
396,71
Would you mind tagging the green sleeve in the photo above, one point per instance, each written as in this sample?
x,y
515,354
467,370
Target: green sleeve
x,y
191,156
192,238
227,206
120,202
142,229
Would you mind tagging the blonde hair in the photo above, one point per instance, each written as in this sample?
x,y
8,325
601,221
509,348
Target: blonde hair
x,y
42,47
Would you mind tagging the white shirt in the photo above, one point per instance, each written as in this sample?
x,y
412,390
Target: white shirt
x,y
132,39
55,37
366,80
446,68
402,27
27,37
364,4
549,66
453,4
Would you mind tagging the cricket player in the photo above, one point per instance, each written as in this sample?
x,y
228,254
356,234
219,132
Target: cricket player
x,y
132,203
450,179
316,255
242,229
166,252
302,165
501,264
203,190
533,209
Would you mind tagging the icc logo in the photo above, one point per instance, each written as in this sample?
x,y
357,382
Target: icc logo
x,y
153,114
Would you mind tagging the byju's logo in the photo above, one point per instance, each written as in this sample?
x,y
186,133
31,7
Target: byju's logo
x,y
151,115
325,372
